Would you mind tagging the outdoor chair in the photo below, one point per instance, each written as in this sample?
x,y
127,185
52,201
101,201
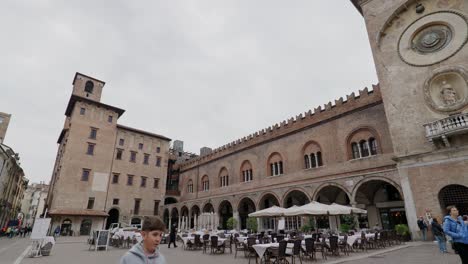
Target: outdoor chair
x,y
189,245
273,237
310,248
215,246
279,253
228,244
334,245
321,246
198,242
239,247
363,243
279,238
296,251
250,250
206,243
343,245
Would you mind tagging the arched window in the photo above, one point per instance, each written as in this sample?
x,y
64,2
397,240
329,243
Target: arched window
x,y
307,161
275,163
246,172
362,143
190,186
355,149
89,86
205,183
373,146
319,159
223,178
313,160
312,155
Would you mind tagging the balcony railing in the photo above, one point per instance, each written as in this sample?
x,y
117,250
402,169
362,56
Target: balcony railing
x,y
443,128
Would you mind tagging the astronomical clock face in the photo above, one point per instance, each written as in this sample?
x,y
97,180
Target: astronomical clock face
x,y
425,34
433,38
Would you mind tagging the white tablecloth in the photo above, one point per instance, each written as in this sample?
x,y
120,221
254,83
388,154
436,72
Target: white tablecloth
x,y
260,249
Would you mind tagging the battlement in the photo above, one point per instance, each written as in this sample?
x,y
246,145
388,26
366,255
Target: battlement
x,y
311,117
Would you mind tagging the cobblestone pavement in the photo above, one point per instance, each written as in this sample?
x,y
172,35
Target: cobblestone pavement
x,y
74,250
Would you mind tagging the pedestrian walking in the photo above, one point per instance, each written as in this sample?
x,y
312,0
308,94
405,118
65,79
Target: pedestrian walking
x,y
439,235
455,227
57,231
147,251
172,236
423,227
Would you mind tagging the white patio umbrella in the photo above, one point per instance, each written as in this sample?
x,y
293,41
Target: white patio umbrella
x,y
269,212
312,208
338,209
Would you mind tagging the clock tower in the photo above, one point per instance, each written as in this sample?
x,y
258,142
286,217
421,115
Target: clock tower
x,y
421,58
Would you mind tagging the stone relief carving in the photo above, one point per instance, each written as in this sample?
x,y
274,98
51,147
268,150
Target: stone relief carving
x,y
449,95
433,38
447,89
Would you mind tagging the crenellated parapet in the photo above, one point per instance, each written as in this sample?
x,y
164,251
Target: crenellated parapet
x,y
310,118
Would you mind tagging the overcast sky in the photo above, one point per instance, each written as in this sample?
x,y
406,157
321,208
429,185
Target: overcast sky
x,y
205,72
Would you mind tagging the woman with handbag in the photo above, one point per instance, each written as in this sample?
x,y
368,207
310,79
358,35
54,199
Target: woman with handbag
x,y
439,235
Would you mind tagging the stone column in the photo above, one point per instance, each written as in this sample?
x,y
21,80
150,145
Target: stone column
x,y
410,208
235,215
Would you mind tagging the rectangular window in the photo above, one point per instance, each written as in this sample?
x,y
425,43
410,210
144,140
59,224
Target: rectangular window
x,y
85,175
136,207
143,182
109,119
158,149
130,180
156,207
93,133
90,150
156,183
115,201
140,146
158,161
115,178
146,158
119,154
82,111
121,142
90,203
132,156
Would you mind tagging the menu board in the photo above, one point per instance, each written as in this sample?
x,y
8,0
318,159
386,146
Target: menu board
x,y
40,228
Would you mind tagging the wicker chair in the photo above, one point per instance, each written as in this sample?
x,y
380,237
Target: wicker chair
x,y
310,248
296,251
206,243
215,247
250,250
228,244
279,253
239,247
343,245
334,245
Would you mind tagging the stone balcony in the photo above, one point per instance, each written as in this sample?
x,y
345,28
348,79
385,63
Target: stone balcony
x,y
444,128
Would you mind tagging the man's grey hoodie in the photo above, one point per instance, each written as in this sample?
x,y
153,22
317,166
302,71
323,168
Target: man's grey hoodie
x,y
136,255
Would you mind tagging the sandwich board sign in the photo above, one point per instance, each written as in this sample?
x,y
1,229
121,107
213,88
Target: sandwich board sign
x,y
102,240
40,228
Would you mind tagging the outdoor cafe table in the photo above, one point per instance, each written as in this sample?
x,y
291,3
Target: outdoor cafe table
x,y
260,249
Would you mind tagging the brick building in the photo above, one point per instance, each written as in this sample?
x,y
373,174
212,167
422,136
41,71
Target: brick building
x,y
399,150
103,170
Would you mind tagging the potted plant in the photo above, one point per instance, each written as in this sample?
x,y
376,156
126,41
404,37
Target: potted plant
x,y
252,224
231,223
403,231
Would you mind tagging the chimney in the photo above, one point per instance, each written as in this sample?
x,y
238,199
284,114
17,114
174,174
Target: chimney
x,y
178,145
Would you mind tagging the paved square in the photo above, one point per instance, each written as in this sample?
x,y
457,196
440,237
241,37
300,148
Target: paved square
x,y
74,250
